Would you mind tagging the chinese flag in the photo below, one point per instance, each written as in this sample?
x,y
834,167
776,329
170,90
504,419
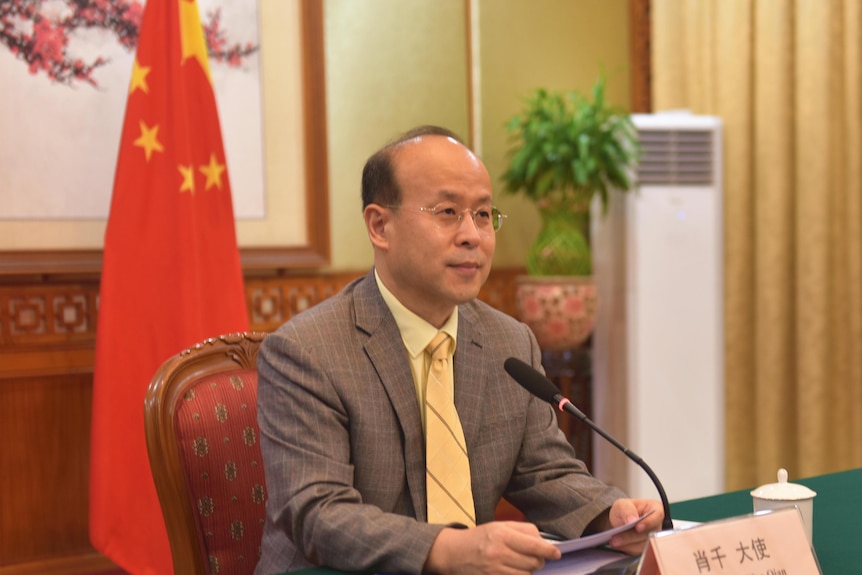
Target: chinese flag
x,y
171,274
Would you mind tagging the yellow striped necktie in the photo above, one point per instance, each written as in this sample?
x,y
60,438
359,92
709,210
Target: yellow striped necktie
x,y
447,468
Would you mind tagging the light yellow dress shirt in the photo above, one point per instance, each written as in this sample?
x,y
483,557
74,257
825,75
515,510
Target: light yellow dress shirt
x,y
416,333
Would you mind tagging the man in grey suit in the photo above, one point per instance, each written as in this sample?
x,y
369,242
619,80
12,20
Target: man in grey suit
x,y
340,397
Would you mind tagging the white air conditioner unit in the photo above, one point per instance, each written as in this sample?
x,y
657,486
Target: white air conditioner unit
x,y
658,344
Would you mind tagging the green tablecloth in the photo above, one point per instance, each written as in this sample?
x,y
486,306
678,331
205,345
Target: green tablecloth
x,y
837,517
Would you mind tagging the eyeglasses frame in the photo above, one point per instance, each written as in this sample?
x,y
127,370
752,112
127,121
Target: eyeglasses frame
x,y
496,214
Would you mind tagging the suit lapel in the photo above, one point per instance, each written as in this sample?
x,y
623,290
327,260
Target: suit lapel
x,y
386,351
471,374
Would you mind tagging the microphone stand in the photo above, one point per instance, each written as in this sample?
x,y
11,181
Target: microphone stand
x,y
565,405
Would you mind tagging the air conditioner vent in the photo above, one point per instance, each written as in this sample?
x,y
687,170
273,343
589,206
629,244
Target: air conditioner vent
x,y
676,157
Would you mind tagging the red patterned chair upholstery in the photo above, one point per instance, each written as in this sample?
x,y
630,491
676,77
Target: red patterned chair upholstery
x,y
200,420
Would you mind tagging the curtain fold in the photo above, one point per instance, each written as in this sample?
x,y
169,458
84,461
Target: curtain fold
x,y
785,79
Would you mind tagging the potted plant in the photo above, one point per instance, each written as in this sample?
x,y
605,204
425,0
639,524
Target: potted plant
x,y
564,150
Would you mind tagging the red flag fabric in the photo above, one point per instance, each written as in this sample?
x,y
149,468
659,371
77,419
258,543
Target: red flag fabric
x,y
171,274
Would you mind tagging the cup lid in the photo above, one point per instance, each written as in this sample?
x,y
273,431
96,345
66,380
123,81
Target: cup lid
x,y
783,490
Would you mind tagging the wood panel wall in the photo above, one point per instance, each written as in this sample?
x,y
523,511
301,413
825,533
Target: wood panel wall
x,y
47,343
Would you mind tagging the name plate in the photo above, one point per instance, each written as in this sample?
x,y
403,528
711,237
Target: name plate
x,y
765,543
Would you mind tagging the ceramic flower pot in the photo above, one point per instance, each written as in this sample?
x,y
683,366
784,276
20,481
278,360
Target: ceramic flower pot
x,y
561,310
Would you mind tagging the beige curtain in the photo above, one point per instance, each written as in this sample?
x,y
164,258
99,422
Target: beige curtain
x,y
785,78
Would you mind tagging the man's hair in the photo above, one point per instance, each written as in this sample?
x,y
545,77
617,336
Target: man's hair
x,y
378,175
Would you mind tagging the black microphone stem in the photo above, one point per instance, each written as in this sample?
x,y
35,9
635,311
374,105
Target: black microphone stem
x,y
566,405
526,376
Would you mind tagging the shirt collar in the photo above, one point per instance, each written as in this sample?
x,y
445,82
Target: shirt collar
x,y
415,331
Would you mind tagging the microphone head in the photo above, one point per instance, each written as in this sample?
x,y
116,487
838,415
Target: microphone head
x,y
532,380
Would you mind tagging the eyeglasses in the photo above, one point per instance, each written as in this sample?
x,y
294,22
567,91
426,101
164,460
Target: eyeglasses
x,y
448,217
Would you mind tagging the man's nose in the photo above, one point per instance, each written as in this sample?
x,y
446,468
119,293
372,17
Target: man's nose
x,y
472,227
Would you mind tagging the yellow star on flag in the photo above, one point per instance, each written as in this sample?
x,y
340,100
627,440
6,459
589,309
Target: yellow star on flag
x,y
139,78
192,36
188,174
213,172
149,140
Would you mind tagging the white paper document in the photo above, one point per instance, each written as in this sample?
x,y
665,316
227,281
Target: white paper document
x,y
581,556
594,540
580,562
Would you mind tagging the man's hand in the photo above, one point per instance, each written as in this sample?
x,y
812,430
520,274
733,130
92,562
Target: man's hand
x,y
504,547
627,510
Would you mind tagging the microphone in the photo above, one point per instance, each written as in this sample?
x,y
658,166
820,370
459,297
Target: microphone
x,y
544,389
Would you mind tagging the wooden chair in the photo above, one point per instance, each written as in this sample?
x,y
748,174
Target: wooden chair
x,y
200,420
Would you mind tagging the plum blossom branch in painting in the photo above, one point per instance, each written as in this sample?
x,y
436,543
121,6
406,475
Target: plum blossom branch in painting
x,y
38,33
217,44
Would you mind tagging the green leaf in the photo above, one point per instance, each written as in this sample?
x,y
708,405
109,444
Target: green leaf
x,y
562,141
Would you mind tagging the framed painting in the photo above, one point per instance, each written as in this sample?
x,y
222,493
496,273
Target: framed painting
x,y
274,108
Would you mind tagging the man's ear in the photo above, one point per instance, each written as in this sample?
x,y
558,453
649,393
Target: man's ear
x,y
377,219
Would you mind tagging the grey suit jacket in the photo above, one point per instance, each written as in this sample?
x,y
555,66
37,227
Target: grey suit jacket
x,y
343,447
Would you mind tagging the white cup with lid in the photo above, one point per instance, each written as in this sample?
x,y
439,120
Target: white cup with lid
x,y
782,495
